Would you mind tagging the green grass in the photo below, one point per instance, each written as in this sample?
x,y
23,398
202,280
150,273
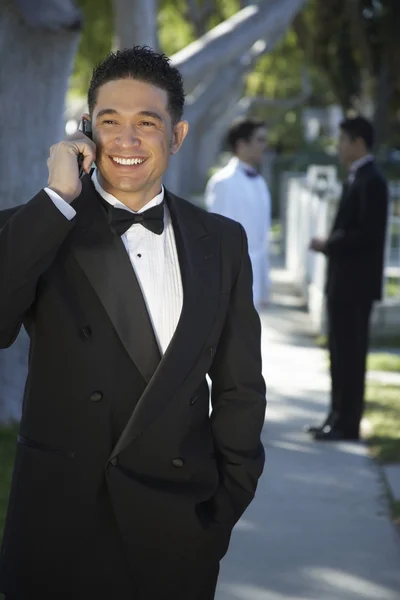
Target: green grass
x,y
7,451
392,341
383,412
380,361
392,287
321,341
383,361
276,229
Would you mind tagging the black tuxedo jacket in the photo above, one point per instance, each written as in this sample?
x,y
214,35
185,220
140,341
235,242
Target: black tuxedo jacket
x,y
356,245
117,456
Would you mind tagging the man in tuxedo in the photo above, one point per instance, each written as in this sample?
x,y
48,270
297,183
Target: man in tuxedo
x,y
124,485
239,192
355,253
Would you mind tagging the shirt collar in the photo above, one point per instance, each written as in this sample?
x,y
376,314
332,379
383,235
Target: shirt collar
x,y
235,162
364,160
117,203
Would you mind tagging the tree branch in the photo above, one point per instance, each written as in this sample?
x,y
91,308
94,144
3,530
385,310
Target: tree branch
x,y
228,41
210,105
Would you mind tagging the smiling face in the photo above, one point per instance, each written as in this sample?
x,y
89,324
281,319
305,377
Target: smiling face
x,y
134,137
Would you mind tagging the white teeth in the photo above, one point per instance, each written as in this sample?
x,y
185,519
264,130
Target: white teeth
x,y
128,161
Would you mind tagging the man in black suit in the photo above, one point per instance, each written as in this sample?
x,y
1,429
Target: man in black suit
x,y
355,253
124,485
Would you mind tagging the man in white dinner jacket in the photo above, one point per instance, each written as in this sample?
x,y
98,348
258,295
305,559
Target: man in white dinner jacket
x,y
239,192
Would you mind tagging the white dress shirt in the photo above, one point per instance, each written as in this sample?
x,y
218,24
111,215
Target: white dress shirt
x,y
155,261
230,192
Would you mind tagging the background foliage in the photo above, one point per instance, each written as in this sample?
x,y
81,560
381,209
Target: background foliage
x,y
351,51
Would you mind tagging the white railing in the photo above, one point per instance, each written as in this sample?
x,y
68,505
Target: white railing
x,y
309,205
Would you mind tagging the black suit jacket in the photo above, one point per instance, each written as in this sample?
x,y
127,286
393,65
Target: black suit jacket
x,y
102,435
355,248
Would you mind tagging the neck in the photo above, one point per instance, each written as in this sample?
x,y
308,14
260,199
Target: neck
x,y
248,162
133,200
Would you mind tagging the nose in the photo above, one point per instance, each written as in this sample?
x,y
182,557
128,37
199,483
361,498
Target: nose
x,y
128,137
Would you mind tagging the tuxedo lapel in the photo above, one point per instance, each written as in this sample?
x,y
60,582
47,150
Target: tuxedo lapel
x,y
198,252
105,261
348,188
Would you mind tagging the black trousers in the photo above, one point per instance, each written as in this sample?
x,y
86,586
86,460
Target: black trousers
x,y
348,337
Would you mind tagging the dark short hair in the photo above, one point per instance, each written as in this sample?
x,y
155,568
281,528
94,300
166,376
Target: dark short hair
x,y
242,129
143,64
359,127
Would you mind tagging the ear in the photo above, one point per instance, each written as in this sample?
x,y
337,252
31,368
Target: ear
x,y
180,132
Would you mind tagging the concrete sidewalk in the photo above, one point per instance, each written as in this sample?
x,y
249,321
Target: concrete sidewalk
x,y
385,377
319,528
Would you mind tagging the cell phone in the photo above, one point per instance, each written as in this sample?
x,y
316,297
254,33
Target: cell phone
x,y
86,128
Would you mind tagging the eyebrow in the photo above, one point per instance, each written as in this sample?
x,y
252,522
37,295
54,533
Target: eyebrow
x,y
150,113
143,113
106,111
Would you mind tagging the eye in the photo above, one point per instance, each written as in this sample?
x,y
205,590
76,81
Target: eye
x,y
109,122
147,123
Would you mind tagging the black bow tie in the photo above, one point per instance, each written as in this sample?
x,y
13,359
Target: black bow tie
x,y
251,173
120,219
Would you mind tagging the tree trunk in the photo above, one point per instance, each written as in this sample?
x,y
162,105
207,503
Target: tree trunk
x,y
383,100
359,33
33,85
135,23
213,72
213,112
387,76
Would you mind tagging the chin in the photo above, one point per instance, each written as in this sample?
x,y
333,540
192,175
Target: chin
x,y
126,184
129,189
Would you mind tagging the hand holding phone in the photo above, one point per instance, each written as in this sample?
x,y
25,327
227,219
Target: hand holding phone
x,y
69,160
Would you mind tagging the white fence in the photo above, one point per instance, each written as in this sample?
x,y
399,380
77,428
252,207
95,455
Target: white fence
x,y
309,203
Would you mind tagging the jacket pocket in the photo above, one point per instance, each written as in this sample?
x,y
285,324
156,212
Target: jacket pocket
x,y
44,447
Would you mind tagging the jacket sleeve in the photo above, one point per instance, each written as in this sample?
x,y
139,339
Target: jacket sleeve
x,y
29,241
238,399
371,221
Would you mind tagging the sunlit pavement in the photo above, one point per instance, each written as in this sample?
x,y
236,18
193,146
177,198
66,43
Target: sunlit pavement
x,y
319,527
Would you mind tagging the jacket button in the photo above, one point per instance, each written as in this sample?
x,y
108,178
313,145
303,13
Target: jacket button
x,y
96,396
178,463
114,461
193,400
86,332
